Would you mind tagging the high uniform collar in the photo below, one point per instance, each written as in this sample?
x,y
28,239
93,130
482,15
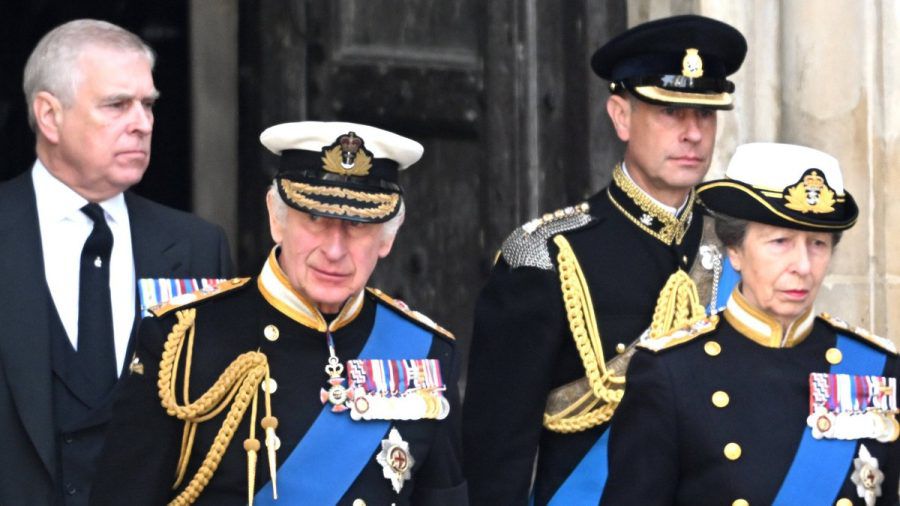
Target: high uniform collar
x,y
650,215
277,290
762,328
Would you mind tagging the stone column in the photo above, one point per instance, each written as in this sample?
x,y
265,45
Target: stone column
x,y
824,74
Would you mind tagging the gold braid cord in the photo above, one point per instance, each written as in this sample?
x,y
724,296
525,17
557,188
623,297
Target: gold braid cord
x,y
677,307
596,405
237,386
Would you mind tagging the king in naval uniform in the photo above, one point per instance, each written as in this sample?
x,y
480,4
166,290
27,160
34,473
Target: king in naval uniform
x,y
299,386
571,290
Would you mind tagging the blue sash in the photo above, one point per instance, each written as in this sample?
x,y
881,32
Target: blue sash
x,y
335,449
820,465
727,281
585,484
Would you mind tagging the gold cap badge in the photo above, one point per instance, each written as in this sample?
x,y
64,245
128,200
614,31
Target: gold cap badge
x,y
692,64
810,195
347,156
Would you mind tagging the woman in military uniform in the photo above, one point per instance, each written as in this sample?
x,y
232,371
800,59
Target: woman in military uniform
x,y
300,386
764,403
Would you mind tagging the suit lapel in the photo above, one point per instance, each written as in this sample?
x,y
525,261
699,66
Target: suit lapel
x,y
156,254
25,337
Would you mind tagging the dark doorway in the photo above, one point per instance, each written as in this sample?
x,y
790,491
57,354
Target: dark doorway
x,y
163,25
500,94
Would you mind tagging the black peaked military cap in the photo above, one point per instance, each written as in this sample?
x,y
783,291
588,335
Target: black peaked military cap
x,y
341,170
680,60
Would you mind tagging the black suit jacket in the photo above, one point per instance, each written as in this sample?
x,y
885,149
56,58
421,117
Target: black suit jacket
x,y
166,243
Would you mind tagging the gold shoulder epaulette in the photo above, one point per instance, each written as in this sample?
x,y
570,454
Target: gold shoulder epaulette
x,y
413,315
682,335
859,332
527,245
198,295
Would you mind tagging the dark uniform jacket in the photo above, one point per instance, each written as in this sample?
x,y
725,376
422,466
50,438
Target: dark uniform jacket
x,y
522,346
47,456
138,466
716,416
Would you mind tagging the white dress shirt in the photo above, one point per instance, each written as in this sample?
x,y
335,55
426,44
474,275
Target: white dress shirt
x,y
64,228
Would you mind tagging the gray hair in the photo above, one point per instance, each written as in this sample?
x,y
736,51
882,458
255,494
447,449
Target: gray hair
x,y
53,65
389,231
731,231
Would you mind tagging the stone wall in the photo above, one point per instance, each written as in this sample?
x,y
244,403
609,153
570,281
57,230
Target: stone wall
x,y
825,74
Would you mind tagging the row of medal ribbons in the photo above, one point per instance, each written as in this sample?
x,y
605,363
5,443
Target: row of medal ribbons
x,y
846,406
404,389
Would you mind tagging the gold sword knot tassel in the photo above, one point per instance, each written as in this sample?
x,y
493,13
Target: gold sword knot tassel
x,y
270,423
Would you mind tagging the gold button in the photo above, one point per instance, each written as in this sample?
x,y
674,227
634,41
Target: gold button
x,y
271,332
720,399
732,451
271,385
843,501
684,259
620,348
834,356
359,502
740,502
712,348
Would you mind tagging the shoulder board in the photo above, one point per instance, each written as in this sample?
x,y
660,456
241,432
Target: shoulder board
x,y
859,333
682,335
527,245
196,296
409,313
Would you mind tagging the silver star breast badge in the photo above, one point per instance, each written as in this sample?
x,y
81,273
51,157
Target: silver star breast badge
x,y
395,459
866,476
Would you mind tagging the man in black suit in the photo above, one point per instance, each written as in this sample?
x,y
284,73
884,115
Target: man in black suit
x,y
73,243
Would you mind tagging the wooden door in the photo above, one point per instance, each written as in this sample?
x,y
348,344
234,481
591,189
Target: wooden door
x,y
500,93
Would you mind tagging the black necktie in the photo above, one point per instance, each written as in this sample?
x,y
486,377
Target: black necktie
x,y
96,347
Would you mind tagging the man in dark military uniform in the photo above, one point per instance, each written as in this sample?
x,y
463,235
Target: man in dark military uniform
x,y
573,289
300,384
764,403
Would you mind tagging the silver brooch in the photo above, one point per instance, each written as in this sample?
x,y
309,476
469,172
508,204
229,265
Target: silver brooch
x,y
396,460
866,476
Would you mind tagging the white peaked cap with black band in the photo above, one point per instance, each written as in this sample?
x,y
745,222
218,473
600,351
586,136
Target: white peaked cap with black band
x,y
341,170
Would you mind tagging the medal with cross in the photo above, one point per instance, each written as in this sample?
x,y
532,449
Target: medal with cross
x,y
337,392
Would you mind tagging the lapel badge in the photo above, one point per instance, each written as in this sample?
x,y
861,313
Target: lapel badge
x,y
136,367
692,64
395,459
866,476
810,195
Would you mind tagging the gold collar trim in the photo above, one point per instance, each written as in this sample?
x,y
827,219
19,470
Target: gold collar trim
x,y
762,328
278,292
649,216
